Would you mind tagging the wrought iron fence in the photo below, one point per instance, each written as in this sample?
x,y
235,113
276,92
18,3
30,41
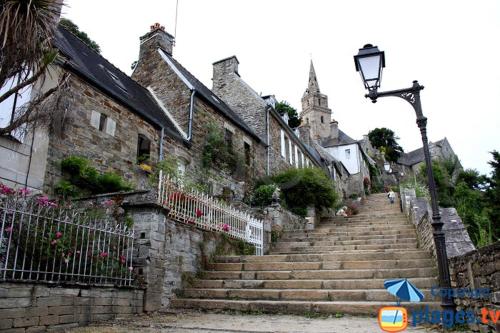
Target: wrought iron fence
x,y
205,212
42,242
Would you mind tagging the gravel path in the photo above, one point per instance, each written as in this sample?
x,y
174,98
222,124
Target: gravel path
x,y
241,323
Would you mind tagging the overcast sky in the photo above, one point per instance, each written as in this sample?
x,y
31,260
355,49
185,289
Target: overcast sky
x,y
451,46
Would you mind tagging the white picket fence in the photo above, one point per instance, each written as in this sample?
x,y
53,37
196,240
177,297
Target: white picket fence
x,y
205,212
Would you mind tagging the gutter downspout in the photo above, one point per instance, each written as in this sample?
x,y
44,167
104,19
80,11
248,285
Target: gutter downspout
x,y
191,111
268,151
162,133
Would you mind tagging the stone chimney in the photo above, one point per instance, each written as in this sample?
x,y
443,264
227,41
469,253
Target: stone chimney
x,y
156,38
334,129
305,134
224,67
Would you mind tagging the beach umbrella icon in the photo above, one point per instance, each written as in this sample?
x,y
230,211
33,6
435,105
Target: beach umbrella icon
x,y
404,290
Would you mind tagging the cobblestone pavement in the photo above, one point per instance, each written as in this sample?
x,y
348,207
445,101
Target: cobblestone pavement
x,y
241,323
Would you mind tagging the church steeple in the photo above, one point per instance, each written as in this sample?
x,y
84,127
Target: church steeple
x,y
313,86
315,111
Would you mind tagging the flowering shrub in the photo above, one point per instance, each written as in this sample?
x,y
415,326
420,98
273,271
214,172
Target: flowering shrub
x,y
226,227
47,242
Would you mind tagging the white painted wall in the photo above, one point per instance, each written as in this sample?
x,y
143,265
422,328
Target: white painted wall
x,y
351,161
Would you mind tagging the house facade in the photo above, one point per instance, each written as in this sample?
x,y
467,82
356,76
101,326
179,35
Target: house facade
x,y
283,148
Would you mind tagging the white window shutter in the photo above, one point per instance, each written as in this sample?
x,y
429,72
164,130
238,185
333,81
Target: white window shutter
x,y
291,151
110,126
296,157
282,140
95,117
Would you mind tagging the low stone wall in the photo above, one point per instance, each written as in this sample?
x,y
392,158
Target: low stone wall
x,y
419,213
28,307
168,254
479,269
278,220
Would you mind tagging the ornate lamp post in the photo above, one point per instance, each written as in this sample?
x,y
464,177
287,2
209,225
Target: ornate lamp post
x,y
369,62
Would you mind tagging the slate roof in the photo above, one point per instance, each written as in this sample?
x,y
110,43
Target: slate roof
x,y
212,99
343,139
415,156
100,73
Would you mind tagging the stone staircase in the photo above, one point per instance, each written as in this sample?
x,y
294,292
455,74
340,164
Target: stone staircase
x,y
339,267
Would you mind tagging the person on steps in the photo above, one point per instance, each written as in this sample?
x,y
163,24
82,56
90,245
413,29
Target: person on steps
x,y
391,195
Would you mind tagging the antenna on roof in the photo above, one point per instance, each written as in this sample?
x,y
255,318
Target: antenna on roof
x,y
176,7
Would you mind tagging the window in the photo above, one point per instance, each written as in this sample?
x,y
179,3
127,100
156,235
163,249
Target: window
x,y
348,153
248,156
319,101
287,150
283,145
181,168
290,150
296,157
9,106
143,149
322,120
307,121
228,138
102,123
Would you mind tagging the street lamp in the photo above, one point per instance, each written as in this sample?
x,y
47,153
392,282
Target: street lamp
x,y
369,62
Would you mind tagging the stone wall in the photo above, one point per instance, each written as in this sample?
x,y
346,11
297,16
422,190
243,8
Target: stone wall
x,y
168,254
117,152
479,269
419,213
28,307
278,220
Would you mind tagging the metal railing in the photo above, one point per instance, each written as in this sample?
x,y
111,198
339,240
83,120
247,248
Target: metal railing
x,y
205,212
42,242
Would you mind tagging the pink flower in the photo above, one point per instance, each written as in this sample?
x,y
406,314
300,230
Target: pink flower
x,y
199,213
45,202
24,191
54,242
108,203
122,260
226,227
103,254
5,190
58,234
9,229
131,268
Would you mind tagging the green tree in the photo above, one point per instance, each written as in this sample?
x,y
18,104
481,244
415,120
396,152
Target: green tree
x,y
73,28
493,193
385,140
443,180
293,117
305,187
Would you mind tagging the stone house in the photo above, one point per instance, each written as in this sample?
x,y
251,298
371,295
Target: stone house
x,y
195,111
410,163
317,119
117,121
283,146
104,115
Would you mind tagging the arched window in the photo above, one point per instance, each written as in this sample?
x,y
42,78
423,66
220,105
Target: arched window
x,y
322,120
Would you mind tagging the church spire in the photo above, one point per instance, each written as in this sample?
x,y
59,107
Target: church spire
x,y
313,86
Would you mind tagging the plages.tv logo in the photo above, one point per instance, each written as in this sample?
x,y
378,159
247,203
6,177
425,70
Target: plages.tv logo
x,y
395,318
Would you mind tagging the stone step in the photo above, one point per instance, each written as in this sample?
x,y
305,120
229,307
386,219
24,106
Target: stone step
x,y
366,229
297,294
324,274
284,266
337,256
330,242
365,223
346,284
334,232
307,238
283,248
295,307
